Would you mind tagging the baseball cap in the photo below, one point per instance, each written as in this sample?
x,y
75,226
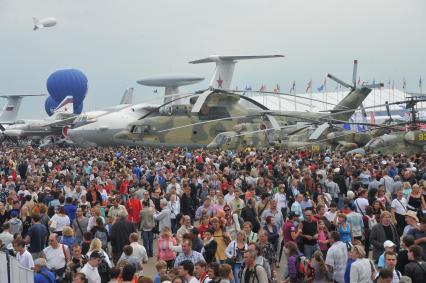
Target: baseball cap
x,y
388,244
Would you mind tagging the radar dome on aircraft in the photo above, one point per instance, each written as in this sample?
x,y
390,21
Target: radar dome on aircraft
x,y
50,105
67,82
170,80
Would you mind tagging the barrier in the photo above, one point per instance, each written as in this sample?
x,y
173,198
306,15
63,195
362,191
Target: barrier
x,y
11,270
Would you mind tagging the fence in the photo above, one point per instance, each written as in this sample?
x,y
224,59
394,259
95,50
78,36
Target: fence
x,y
12,272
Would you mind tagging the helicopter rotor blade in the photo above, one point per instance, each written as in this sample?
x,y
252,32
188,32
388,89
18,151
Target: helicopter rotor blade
x,y
200,101
378,85
339,81
354,73
318,131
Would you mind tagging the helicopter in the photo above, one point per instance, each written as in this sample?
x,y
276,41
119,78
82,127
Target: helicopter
x,y
214,111
410,139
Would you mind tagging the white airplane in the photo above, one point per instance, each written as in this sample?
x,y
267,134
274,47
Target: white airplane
x,y
97,128
63,114
11,108
43,23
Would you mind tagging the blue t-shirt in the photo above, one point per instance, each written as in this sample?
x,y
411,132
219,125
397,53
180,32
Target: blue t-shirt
x,y
44,276
157,278
38,234
70,210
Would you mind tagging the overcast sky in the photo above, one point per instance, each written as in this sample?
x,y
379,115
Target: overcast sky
x,y
116,42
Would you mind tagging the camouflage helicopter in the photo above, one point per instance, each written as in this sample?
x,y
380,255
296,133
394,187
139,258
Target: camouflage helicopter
x,y
410,139
304,134
215,111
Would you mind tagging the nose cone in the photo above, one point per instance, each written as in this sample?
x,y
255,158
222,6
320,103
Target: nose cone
x,y
122,135
13,132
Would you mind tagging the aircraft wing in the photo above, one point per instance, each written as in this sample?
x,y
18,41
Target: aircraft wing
x,y
59,123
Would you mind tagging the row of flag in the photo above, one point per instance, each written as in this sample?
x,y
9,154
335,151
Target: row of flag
x,y
323,86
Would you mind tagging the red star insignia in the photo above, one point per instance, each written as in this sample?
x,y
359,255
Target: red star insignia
x,y
219,82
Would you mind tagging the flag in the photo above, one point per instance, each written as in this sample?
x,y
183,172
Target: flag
x,y
155,90
321,88
372,118
262,88
277,88
293,87
359,81
420,82
404,84
248,88
309,87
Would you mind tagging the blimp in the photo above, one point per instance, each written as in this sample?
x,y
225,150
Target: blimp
x,y
43,23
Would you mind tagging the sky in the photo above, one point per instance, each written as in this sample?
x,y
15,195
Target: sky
x,y
117,42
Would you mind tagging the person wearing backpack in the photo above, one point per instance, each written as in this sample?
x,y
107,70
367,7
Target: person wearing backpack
x,y
105,264
252,272
416,269
99,232
293,254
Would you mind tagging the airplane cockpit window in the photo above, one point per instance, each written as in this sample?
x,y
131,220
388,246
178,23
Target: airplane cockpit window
x,y
214,112
137,130
143,129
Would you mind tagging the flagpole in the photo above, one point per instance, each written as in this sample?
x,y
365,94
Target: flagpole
x,y
310,92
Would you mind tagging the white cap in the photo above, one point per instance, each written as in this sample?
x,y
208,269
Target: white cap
x,y
336,170
388,244
384,162
50,164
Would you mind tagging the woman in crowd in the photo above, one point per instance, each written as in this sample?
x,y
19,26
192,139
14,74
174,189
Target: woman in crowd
x,y
59,221
234,252
165,245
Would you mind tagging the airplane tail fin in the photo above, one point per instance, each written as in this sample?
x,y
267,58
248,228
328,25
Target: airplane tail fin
x,y
35,21
127,96
225,68
66,106
11,108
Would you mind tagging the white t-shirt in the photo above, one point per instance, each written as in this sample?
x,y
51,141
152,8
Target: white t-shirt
x,y
55,258
361,203
25,259
193,280
139,251
400,206
331,216
61,221
91,273
337,256
281,200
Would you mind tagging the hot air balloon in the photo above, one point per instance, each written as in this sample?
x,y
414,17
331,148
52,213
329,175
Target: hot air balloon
x,y
67,82
50,105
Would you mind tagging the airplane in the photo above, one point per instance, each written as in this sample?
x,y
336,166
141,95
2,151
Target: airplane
x,y
11,108
216,111
43,23
98,127
37,128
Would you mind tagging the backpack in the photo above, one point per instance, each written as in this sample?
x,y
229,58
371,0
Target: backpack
x,y
103,270
304,268
102,235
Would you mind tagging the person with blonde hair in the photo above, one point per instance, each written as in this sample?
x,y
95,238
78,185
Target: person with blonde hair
x,y
96,246
381,232
68,237
362,269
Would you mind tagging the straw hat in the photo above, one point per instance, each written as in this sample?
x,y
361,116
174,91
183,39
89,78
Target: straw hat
x,y
412,214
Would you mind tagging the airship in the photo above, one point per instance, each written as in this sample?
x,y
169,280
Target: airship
x,y
43,23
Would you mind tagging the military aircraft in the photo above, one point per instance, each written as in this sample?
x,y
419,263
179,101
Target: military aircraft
x,y
97,128
11,108
409,140
63,114
215,111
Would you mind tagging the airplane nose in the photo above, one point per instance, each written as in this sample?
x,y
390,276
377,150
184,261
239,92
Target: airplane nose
x,y
13,133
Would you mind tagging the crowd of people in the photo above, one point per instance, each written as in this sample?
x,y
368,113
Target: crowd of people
x,y
252,216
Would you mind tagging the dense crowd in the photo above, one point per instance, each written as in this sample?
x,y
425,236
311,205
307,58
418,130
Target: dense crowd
x,y
249,216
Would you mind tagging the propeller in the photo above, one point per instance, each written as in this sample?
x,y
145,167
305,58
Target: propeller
x,y
354,82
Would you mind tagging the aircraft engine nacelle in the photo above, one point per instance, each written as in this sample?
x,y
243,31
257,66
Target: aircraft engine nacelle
x,y
415,137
